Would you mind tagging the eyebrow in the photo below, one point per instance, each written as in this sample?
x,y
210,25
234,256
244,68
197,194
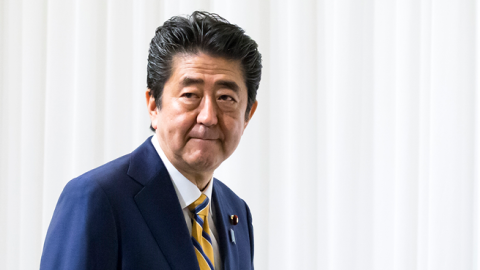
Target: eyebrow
x,y
228,84
188,81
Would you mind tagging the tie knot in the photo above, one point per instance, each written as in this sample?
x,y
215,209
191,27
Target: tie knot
x,y
200,206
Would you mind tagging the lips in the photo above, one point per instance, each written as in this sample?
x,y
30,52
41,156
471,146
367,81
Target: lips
x,y
204,133
207,140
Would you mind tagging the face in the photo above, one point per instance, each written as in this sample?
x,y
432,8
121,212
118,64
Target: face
x,y
202,117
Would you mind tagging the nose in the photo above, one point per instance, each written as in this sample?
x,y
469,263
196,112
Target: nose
x,y
208,113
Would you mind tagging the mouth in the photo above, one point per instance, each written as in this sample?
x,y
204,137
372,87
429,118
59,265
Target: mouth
x,y
203,139
202,142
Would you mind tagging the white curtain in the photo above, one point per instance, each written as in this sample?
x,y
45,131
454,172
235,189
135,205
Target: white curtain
x,y
363,153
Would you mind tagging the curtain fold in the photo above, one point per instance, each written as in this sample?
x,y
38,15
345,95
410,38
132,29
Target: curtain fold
x,y
363,152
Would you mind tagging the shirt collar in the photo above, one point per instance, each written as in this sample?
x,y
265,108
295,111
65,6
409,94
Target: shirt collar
x,y
187,192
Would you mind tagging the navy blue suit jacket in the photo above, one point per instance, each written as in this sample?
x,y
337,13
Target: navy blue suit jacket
x,y
126,215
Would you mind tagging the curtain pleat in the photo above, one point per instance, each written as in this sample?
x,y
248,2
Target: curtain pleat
x,y
362,154
31,117
11,129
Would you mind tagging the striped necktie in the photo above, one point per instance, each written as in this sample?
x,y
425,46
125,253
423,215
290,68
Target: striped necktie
x,y
201,233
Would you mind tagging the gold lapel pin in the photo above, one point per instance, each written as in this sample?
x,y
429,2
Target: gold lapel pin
x,y
234,219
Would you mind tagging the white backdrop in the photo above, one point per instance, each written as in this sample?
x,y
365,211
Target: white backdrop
x,y
363,153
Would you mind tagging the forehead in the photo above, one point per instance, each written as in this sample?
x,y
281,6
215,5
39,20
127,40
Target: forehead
x,y
206,67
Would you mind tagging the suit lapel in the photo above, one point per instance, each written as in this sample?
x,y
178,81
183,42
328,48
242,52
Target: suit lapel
x,y
160,208
228,250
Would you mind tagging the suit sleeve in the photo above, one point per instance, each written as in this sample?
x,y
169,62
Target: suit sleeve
x,y
82,233
250,231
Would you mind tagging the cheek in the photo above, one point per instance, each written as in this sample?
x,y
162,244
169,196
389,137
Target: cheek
x,y
234,130
179,125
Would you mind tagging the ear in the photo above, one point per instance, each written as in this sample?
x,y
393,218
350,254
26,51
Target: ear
x,y
152,108
250,114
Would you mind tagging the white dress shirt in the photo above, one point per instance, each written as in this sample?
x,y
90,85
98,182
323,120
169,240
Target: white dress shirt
x,y
187,193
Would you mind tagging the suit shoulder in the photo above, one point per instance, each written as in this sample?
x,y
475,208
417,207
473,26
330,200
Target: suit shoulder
x,y
83,224
110,169
227,192
105,174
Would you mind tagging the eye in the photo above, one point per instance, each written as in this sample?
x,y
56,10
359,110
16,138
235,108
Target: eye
x,y
226,98
188,95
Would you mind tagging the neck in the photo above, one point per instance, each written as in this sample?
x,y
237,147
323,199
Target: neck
x,y
201,180
199,176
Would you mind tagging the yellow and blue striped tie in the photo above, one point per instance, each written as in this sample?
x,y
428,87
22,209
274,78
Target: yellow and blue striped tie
x,y
201,233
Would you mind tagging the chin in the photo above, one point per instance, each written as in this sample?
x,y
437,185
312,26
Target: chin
x,y
204,163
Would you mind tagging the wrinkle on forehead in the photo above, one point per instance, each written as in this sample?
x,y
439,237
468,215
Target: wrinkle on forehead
x,y
209,64
230,84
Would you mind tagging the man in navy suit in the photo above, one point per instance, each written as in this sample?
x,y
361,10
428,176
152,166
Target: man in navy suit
x,y
133,212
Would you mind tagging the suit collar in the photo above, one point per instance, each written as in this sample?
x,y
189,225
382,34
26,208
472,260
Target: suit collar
x,y
160,208
223,210
147,168
187,192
